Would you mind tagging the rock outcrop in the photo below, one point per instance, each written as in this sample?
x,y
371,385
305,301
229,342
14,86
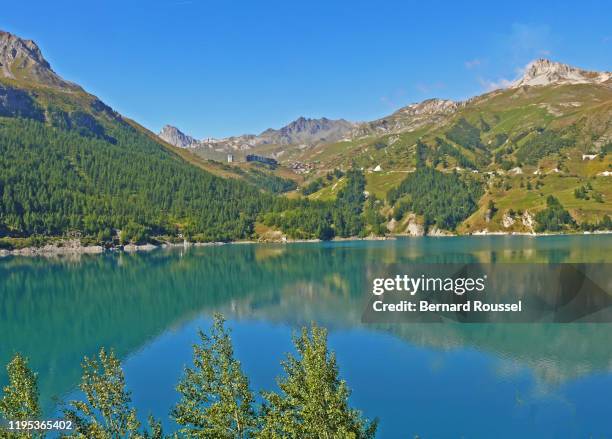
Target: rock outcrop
x,y
411,117
22,60
413,227
545,72
176,137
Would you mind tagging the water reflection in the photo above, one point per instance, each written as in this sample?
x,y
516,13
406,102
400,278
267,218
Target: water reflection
x,y
56,311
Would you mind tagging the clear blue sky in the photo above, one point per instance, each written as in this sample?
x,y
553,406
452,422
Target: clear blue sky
x,y
231,67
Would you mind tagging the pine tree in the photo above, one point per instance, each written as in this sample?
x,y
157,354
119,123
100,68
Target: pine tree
x,y
313,402
20,399
216,400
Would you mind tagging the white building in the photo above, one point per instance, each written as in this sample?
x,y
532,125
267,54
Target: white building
x,y
230,158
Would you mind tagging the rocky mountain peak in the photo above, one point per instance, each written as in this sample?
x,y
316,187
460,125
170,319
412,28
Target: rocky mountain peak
x,y
546,72
411,117
302,131
22,59
176,137
430,106
308,131
312,126
13,47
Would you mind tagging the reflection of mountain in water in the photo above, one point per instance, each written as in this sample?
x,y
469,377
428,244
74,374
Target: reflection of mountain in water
x,y
57,311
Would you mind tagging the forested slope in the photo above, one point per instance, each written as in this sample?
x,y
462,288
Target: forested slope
x,y
56,181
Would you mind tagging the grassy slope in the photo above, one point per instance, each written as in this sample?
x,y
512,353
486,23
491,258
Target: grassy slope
x,y
330,191
509,112
586,108
589,108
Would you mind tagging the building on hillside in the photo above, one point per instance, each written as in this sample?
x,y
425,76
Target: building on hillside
x,y
261,159
230,158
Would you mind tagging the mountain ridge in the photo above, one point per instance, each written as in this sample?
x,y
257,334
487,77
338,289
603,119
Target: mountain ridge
x,y
71,163
308,132
22,60
71,166
301,131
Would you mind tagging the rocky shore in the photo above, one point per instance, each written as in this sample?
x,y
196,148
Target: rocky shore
x,y
74,247
68,247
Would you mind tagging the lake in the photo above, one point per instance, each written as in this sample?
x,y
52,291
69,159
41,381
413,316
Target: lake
x,y
434,380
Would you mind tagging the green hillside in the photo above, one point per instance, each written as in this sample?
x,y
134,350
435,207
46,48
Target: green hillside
x,y
93,173
522,159
520,144
70,167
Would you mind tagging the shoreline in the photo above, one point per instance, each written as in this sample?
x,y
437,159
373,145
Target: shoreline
x,y
73,247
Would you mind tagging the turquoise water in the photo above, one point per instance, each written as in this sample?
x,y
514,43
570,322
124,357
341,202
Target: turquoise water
x,y
434,380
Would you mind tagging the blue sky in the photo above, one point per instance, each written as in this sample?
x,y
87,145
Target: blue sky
x,y
232,67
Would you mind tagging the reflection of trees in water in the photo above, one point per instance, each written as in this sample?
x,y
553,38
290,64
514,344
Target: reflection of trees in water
x,y
57,311
554,352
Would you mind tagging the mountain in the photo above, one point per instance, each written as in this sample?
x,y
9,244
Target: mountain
x,y
22,60
301,132
72,166
550,133
176,137
533,156
541,72
408,118
544,72
549,97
